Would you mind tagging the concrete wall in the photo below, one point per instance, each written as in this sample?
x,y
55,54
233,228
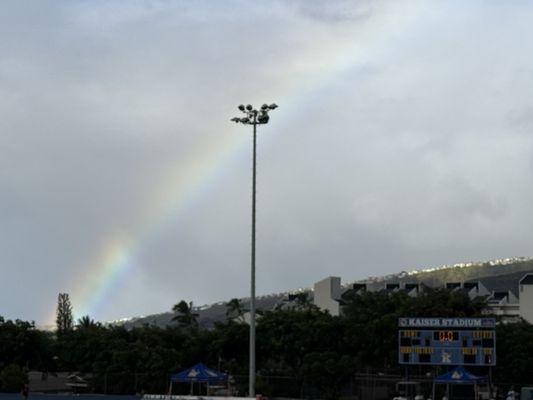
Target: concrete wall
x,y
525,297
504,310
326,292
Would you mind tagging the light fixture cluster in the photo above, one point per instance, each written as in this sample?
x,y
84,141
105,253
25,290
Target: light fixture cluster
x,y
253,116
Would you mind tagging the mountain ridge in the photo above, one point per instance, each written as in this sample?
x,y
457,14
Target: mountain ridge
x,y
496,275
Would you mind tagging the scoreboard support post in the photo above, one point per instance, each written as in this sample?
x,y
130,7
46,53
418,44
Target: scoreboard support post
x,y
490,383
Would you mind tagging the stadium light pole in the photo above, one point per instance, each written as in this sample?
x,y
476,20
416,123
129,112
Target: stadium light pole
x,y
253,117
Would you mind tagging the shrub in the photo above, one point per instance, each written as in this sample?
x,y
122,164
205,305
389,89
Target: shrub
x,y
12,378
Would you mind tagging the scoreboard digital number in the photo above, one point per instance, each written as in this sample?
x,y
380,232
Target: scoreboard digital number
x,y
447,341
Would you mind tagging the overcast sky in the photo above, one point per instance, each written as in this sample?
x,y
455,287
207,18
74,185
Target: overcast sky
x,y
403,139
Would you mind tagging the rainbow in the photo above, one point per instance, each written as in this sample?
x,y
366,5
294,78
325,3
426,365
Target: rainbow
x,y
117,260
188,181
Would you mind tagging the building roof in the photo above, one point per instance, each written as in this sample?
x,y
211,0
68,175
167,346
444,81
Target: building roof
x,y
500,295
453,285
471,285
392,286
526,280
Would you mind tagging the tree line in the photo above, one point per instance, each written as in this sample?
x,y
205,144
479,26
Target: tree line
x,y
310,352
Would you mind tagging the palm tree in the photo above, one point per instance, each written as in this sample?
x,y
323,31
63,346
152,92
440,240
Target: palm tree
x,y
184,315
234,310
86,322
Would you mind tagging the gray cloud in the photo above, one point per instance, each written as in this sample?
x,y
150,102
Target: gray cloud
x,y
401,140
340,11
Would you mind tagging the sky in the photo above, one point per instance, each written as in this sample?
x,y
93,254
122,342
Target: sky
x,y
403,140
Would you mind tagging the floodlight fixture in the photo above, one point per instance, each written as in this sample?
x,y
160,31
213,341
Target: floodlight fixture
x,y
263,118
255,116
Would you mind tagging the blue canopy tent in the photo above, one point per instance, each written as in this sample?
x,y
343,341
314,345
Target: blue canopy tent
x,y
201,374
459,376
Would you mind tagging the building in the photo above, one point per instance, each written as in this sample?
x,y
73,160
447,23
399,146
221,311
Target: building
x,y
329,295
525,296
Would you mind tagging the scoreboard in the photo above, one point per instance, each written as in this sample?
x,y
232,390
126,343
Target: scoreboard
x,y
447,341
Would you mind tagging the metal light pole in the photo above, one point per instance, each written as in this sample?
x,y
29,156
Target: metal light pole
x,y
253,117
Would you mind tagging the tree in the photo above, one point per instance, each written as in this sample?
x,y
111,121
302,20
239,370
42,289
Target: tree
x,y
515,347
234,310
327,371
12,378
86,322
64,319
303,301
184,315
371,319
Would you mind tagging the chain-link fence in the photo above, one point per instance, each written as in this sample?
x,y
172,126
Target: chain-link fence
x,y
367,385
128,383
